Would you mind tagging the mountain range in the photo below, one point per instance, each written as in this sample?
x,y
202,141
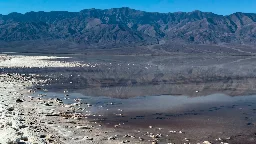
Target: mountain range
x,y
118,27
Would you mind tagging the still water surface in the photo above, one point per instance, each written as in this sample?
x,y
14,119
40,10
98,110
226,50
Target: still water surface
x,y
216,110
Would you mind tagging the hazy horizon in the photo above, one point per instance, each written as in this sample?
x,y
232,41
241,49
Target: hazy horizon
x,y
122,7
219,7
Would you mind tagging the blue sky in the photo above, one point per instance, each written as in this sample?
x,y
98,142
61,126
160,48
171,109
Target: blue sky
x,y
223,7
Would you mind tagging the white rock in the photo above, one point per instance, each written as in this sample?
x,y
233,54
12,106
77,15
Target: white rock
x,y
206,142
82,127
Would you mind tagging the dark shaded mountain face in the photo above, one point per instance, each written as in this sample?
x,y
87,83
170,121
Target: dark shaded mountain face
x,y
94,28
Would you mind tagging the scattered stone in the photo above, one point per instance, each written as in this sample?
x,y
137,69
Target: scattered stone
x,y
47,104
125,141
141,139
158,135
126,136
9,123
58,100
22,126
24,138
10,108
77,118
42,136
82,127
19,101
20,133
112,138
88,138
10,142
49,122
181,132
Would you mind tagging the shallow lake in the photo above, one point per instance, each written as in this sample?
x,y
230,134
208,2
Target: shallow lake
x,y
217,111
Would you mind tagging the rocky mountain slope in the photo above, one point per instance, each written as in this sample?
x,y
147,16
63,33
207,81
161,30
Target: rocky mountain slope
x,y
94,28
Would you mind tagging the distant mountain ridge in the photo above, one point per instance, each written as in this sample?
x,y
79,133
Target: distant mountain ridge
x,y
125,26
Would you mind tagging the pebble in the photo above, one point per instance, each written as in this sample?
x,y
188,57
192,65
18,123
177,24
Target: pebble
x,y
82,127
88,138
186,139
141,139
77,118
9,123
125,141
47,104
19,101
24,138
10,108
181,132
172,131
42,136
112,138
22,126
10,142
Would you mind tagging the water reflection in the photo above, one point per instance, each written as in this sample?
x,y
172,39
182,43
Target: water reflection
x,y
131,76
217,110
164,110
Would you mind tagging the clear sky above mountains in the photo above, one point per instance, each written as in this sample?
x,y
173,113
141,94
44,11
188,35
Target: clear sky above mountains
x,y
223,7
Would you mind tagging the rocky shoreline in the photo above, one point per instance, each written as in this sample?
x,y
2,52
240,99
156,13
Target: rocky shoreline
x,y
34,120
27,119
